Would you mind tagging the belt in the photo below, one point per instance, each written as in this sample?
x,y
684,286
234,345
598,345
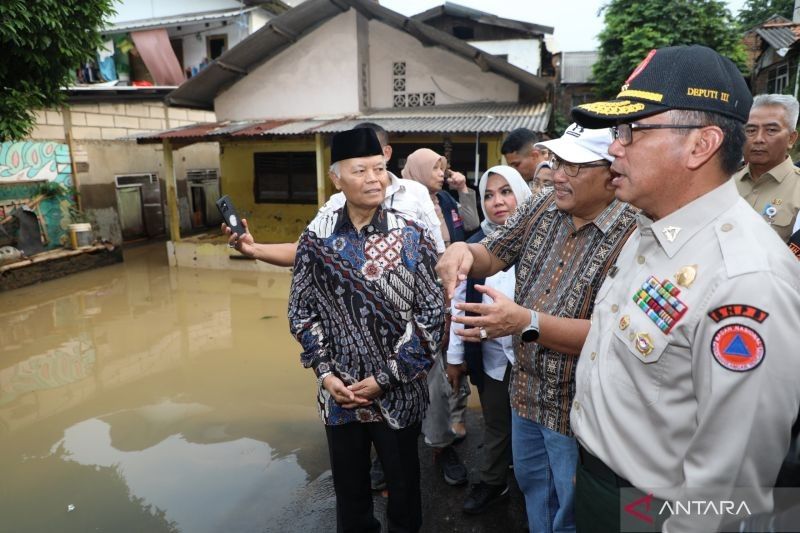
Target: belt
x,y
598,468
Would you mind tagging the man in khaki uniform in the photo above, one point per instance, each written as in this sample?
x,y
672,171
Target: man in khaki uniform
x,y
770,182
687,384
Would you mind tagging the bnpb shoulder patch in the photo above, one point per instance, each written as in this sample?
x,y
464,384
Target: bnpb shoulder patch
x,y
738,348
732,310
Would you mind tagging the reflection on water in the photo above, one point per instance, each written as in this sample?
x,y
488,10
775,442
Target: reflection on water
x,y
153,399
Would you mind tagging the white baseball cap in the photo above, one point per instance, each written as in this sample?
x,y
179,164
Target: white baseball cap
x,y
581,145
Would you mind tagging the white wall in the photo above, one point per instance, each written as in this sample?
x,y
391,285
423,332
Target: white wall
x,y
258,18
522,53
194,49
129,10
459,80
317,76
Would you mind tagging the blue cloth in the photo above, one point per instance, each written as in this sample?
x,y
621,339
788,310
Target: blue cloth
x,y
544,465
455,225
473,355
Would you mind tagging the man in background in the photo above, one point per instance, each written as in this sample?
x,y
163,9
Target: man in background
x,y
770,182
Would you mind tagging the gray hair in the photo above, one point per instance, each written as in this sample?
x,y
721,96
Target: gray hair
x,y
788,102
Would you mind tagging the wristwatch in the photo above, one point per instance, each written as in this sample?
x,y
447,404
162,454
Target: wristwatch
x,y
531,331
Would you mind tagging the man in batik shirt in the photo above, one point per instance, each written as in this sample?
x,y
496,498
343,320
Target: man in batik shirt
x,y
367,309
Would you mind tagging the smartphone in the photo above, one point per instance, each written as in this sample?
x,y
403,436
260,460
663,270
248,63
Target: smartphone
x,y
229,215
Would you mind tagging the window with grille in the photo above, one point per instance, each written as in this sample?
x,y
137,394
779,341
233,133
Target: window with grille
x,y
778,79
285,177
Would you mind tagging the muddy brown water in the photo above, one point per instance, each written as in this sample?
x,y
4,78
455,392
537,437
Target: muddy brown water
x,y
142,398
139,398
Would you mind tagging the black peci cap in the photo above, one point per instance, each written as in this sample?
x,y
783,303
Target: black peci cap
x,y
360,142
677,77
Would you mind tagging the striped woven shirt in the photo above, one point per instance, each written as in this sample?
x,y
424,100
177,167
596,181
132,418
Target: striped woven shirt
x,y
559,271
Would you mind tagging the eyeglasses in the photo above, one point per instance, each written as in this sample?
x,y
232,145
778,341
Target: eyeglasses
x,y
624,132
572,169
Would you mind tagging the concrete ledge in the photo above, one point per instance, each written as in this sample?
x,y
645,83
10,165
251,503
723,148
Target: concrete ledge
x,y
56,264
212,252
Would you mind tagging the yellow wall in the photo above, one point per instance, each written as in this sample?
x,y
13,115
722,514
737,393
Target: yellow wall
x,y
267,222
285,222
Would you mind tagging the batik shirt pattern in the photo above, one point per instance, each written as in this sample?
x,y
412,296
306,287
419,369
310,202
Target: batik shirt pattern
x,y
366,303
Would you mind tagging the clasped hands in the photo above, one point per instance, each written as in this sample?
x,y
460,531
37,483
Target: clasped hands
x,y
351,396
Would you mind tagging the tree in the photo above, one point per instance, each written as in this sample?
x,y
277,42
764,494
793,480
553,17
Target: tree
x,y
754,12
634,28
43,43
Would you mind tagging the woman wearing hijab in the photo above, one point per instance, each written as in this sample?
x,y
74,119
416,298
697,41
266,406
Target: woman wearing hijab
x,y
444,421
458,218
488,363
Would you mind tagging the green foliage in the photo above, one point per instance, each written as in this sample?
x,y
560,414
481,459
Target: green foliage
x,y
754,12
43,42
560,124
634,28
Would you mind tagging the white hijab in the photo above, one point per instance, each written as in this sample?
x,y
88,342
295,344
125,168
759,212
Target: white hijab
x,y
518,186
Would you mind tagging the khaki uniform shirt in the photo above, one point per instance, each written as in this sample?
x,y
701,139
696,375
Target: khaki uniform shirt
x,y
780,189
703,400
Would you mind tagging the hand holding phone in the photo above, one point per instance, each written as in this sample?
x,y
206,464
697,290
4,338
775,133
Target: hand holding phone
x,y
230,217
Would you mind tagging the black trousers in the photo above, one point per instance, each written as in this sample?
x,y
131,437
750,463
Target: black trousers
x,y
496,408
349,448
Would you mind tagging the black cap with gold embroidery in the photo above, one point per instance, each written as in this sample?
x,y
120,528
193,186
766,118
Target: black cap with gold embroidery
x,y
677,77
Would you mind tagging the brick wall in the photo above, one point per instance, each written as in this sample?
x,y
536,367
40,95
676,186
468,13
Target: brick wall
x,y
106,121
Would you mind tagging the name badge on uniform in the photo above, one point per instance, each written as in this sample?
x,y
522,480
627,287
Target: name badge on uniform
x,y
769,213
457,222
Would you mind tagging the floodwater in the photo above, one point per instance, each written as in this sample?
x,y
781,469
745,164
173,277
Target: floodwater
x,y
142,398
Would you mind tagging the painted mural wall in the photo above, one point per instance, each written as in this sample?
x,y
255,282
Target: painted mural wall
x,y
25,167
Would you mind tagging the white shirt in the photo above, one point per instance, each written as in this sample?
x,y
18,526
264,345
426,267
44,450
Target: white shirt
x,y
497,353
404,196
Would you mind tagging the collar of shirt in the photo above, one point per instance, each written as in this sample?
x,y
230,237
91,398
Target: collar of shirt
x,y
394,186
378,221
778,173
684,223
604,221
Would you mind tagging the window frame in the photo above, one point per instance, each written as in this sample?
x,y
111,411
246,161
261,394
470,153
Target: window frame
x,y
290,181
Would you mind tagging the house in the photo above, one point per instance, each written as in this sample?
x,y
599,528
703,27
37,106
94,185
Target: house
x,y
521,43
186,34
89,143
773,56
574,85
326,65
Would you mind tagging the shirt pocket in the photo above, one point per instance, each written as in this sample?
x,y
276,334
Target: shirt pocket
x,y
638,363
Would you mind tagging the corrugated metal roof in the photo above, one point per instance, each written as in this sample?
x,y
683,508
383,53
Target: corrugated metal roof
x,y
576,67
286,29
468,118
777,31
165,22
780,35
462,118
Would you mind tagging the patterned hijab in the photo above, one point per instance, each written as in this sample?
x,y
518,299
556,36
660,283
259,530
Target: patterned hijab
x,y
518,186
